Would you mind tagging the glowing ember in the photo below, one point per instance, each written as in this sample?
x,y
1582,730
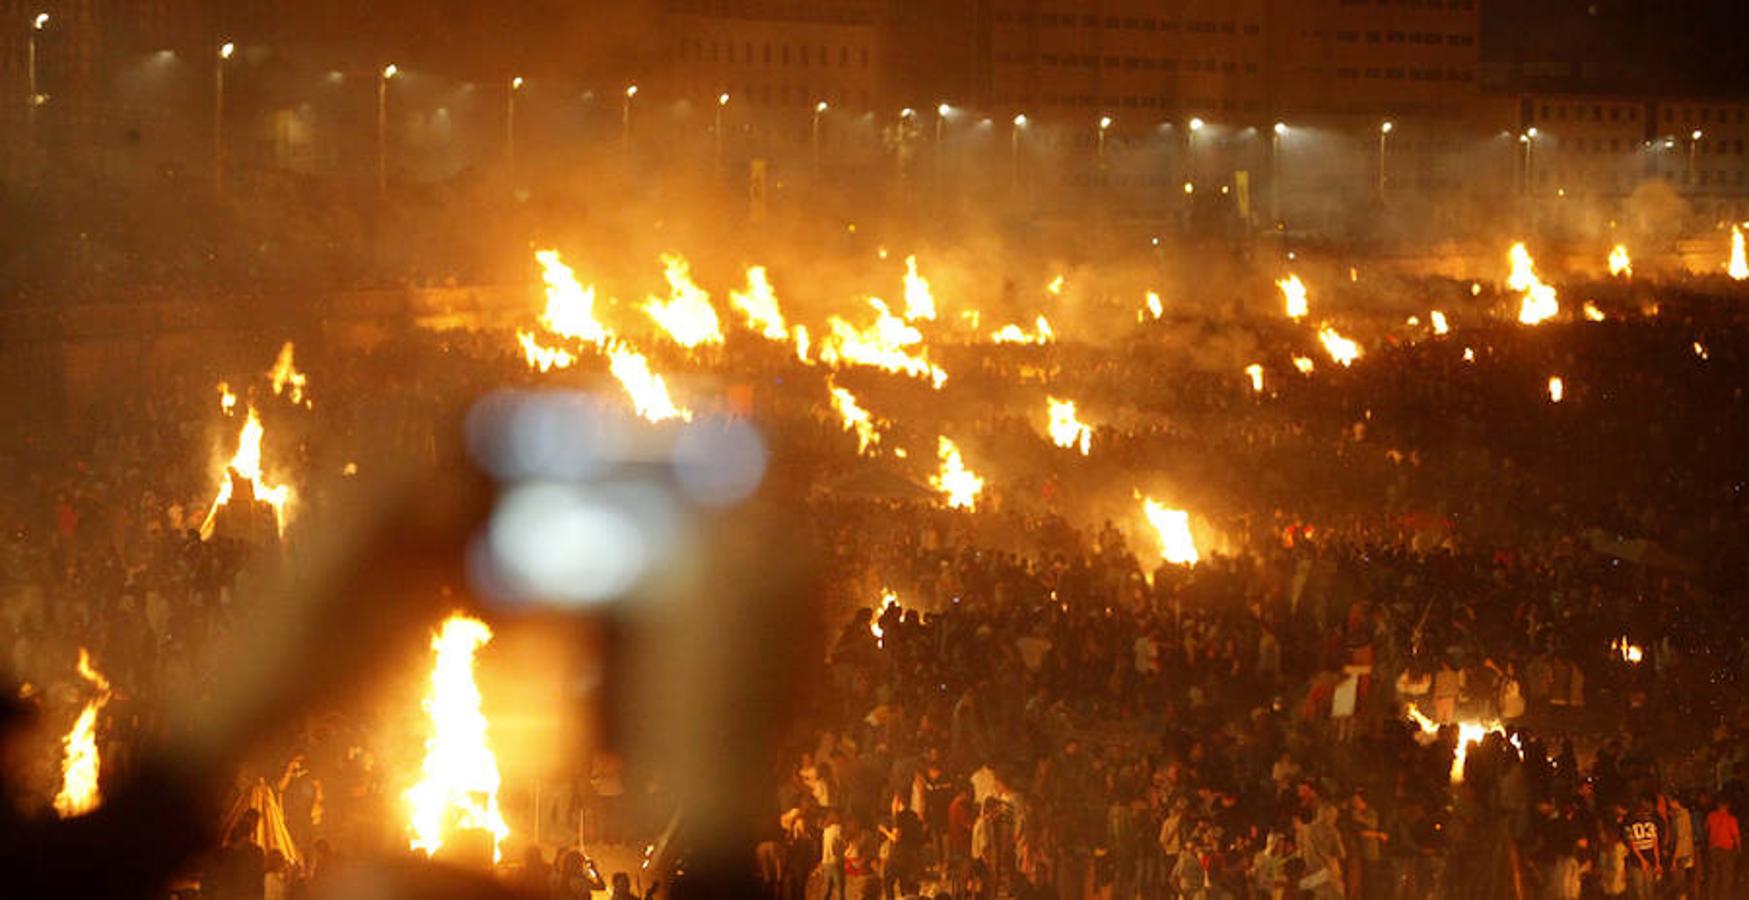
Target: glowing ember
x,y
1620,266
1012,334
1539,299
287,379
1700,350
1557,389
1437,318
687,315
227,400
1067,431
1304,364
1739,267
648,391
855,418
570,308
1172,526
80,763
919,302
1152,308
1592,313
1293,295
458,785
245,464
542,357
1341,349
889,600
1255,371
883,345
759,304
959,484
1629,653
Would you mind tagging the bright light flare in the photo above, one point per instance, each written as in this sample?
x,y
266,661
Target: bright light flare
x,y
1557,389
1305,364
1628,652
919,302
1739,266
1440,326
1152,308
1592,313
1255,372
1065,429
458,788
80,761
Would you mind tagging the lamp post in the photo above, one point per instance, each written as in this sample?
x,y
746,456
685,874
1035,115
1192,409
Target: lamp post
x,y
1385,130
224,55
1276,134
510,123
941,111
625,119
717,134
1014,145
1099,140
1528,139
1693,148
814,135
383,78
34,98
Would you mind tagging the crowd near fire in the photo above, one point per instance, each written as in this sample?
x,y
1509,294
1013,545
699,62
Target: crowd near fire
x,y
1062,489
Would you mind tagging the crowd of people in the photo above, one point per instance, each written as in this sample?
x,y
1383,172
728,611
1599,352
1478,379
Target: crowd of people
x,y
1399,558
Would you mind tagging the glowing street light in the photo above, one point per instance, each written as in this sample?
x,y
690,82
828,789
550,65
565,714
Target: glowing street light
x,y
1385,130
1277,133
1020,121
1528,139
510,123
1196,124
388,74
1693,149
34,98
1104,126
625,119
941,111
226,50
717,133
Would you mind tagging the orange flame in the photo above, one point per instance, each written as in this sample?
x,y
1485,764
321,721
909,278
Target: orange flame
x,y
81,763
1539,302
1172,527
1012,334
884,345
1341,349
1293,295
919,302
246,464
759,305
960,485
1065,429
287,379
570,308
458,787
855,418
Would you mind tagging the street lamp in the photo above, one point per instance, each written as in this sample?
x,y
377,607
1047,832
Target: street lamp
x,y
510,123
717,133
941,111
225,51
1277,133
1385,130
625,118
814,135
35,98
1104,126
1693,147
1014,144
1528,139
388,73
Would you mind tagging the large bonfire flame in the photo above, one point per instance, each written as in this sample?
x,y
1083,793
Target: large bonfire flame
x,y
648,391
81,764
687,315
287,379
1620,266
1014,334
1341,349
855,418
1065,429
1539,302
570,308
919,302
458,788
957,483
1172,526
759,305
245,464
1739,267
884,345
1293,297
